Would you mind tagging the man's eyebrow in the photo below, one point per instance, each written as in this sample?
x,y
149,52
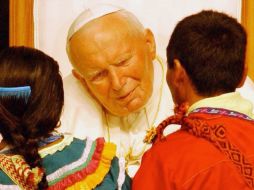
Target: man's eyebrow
x,y
93,72
123,57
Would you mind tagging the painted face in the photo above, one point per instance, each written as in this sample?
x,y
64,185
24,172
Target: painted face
x,y
115,66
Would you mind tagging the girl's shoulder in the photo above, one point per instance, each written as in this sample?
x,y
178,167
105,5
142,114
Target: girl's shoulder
x,y
76,164
80,164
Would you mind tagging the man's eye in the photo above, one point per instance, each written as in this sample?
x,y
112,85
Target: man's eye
x,y
124,62
99,76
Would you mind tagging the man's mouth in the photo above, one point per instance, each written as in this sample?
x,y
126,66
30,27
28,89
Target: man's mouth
x,y
127,95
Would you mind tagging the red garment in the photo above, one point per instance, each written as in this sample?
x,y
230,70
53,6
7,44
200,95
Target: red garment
x,y
188,159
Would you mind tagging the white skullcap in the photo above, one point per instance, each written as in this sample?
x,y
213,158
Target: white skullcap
x,y
91,14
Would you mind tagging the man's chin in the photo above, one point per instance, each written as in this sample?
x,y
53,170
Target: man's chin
x,y
120,113
136,105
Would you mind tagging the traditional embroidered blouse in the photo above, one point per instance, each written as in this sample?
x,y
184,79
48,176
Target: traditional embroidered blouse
x,y
70,164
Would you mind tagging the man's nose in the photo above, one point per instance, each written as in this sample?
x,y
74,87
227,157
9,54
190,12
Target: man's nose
x,y
115,79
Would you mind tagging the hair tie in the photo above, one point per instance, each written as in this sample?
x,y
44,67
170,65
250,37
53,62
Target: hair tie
x,y
18,92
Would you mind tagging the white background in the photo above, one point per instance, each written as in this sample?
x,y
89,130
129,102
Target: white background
x,y
53,18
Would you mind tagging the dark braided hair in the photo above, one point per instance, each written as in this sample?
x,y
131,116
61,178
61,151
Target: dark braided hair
x,y
24,123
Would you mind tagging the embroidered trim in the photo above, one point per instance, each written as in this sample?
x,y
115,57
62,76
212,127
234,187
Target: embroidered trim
x,y
61,172
221,111
92,180
31,176
121,176
217,135
9,187
8,167
80,175
56,147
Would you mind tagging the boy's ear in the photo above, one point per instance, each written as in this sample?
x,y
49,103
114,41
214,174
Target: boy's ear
x,y
245,73
150,41
179,82
180,73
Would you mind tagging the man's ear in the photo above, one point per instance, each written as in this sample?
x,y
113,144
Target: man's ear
x,y
83,82
76,74
245,73
150,41
79,77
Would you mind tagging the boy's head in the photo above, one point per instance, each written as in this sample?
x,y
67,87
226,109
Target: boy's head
x,y
206,50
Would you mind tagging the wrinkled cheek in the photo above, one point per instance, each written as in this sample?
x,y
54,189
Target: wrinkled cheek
x,y
138,67
136,72
101,92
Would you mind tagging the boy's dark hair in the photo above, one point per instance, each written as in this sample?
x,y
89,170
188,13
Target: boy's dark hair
x,y
211,48
24,123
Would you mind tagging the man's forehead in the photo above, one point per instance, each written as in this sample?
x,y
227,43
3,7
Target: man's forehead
x,y
107,54
99,57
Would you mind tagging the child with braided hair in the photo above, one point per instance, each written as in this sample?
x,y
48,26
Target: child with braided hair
x,y
214,147
32,154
